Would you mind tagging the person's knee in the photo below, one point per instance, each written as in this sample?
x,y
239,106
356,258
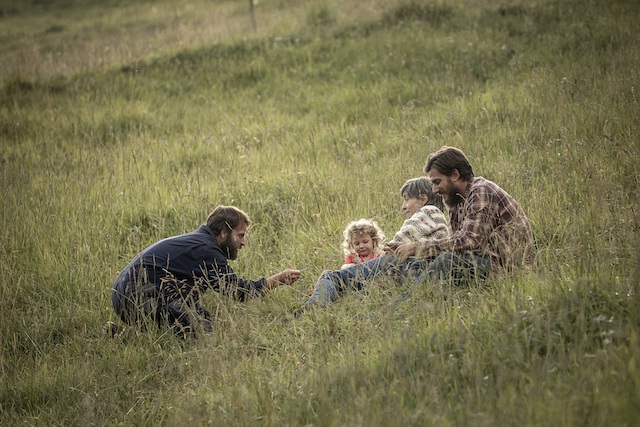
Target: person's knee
x,y
329,285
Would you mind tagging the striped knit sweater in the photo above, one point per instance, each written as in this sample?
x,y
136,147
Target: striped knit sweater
x,y
429,222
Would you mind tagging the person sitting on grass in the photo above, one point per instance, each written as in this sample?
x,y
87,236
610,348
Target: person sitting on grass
x,y
363,241
424,211
164,283
425,220
490,231
490,234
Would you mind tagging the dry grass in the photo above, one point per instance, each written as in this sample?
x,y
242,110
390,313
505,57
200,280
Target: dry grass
x,y
80,37
308,123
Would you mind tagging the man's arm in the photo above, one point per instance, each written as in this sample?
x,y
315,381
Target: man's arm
x,y
478,219
285,277
474,230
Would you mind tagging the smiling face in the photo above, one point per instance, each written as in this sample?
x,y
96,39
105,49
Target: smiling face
x,y
362,243
411,205
446,186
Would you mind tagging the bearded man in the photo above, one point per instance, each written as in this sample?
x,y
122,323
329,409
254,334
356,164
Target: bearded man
x,y
490,233
165,281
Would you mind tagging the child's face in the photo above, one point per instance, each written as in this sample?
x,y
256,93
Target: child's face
x,y
412,205
363,244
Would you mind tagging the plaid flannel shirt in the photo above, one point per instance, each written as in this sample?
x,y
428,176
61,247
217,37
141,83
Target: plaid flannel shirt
x,y
489,223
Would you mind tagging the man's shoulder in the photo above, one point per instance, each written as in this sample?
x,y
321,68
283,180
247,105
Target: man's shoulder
x,y
197,237
480,181
484,192
202,232
483,185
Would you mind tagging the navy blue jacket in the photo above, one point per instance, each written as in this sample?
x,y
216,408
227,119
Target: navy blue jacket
x,y
185,266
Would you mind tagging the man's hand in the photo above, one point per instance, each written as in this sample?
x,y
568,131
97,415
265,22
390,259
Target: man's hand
x,y
400,250
285,277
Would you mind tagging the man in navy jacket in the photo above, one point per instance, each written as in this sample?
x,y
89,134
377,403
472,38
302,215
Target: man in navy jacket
x,y
165,281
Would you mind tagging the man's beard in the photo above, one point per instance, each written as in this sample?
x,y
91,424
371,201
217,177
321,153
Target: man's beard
x,y
452,199
230,247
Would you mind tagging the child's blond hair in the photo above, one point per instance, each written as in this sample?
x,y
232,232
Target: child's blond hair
x,y
363,226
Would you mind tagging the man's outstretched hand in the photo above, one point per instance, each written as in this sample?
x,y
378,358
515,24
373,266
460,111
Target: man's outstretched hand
x,y
285,277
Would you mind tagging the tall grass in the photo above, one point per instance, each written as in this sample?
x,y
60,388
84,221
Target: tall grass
x,y
313,120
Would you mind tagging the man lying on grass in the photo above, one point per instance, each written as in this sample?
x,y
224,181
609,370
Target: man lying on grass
x,y
164,283
490,234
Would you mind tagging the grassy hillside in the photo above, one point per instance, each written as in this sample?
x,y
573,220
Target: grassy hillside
x,y
125,122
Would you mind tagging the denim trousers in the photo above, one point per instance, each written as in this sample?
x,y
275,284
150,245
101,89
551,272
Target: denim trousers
x,y
447,266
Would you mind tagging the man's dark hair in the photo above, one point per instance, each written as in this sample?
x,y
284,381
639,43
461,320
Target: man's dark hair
x,y
226,217
448,159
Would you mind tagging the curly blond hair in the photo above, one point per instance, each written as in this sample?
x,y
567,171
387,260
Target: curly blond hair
x,y
363,226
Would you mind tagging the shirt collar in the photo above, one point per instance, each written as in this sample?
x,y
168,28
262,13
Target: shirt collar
x,y
204,228
466,190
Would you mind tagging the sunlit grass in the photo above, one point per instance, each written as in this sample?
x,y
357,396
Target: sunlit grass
x,y
315,119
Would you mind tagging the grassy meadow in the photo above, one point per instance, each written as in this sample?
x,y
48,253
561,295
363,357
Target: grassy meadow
x,y
124,122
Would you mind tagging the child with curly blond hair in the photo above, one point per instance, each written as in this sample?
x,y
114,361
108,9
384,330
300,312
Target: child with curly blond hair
x,y
363,241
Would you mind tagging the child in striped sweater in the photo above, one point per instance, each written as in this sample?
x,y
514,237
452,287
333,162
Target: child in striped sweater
x,y
424,211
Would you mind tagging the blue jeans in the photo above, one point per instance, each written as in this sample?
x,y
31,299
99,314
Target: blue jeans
x,y
446,266
459,269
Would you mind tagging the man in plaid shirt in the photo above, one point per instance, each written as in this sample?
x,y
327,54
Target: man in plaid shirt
x,y
490,231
